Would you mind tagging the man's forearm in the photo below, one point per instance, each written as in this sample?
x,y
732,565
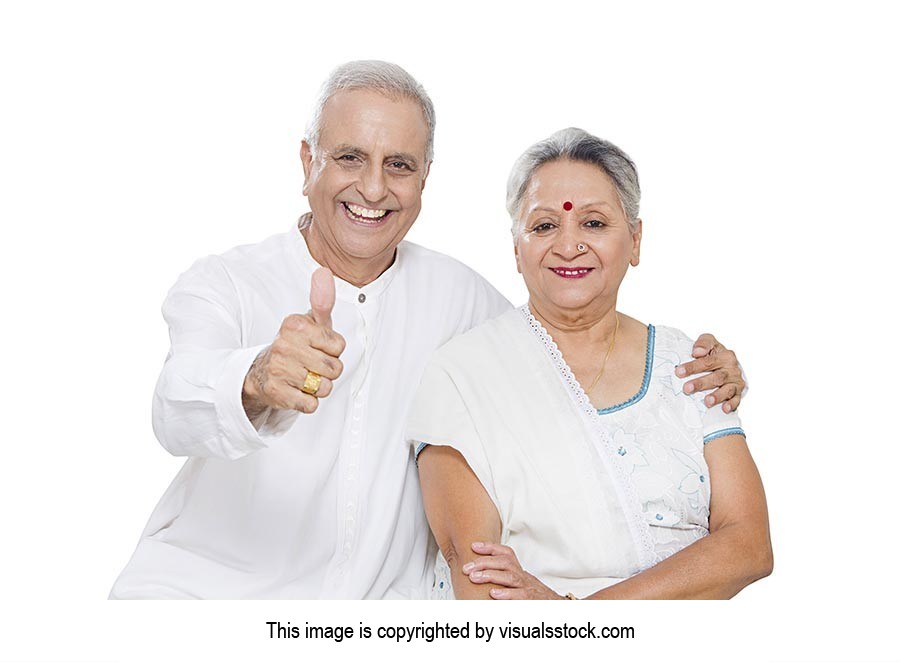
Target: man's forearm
x,y
253,406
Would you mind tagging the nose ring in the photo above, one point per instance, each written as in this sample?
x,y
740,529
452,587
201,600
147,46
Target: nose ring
x,y
582,248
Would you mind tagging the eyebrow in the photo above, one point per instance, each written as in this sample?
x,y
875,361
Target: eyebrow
x,y
347,149
598,203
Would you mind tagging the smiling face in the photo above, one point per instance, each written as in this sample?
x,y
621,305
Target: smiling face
x,y
364,181
573,256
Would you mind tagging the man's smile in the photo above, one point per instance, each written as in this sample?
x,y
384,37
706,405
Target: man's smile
x,y
364,214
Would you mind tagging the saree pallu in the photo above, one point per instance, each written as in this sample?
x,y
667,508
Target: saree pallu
x,y
579,511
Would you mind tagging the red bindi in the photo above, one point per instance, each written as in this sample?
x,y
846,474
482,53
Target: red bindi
x,y
567,205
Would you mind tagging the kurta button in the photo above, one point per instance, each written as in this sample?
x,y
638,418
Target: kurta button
x,y
361,298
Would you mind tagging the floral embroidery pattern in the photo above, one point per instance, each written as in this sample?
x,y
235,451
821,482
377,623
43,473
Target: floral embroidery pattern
x,y
659,440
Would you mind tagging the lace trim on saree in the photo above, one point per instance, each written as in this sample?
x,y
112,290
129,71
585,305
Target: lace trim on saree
x,y
625,489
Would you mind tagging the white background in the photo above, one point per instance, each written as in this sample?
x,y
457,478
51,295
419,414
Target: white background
x,y
135,138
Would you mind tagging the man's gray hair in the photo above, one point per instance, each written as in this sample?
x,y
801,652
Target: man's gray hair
x,y
576,145
387,78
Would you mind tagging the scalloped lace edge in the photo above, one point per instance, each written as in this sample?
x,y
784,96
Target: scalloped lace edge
x,y
625,489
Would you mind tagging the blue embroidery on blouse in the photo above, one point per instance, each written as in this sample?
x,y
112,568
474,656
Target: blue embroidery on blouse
x,y
419,447
723,433
648,371
659,517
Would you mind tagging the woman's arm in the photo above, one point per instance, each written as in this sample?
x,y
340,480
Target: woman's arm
x,y
459,512
737,551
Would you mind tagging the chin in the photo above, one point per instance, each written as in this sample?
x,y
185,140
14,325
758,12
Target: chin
x,y
571,297
565,302
367,242
366,251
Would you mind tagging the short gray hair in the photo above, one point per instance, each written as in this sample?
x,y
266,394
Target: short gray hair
x,y
387,78
576,145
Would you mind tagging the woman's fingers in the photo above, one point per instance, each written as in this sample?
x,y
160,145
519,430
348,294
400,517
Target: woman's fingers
x,y
524,594
497,564
498,577
501,562
492,548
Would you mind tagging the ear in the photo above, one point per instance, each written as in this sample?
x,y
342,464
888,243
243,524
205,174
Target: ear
x,y
516,251
636,244
427,171
306,157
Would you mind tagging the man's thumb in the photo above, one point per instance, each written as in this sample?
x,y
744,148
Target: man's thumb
x,y
321,296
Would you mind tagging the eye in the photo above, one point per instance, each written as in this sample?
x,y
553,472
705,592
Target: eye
x,y
543,228
348,158
595,224
400,167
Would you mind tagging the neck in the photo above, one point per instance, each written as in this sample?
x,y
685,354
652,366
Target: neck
x,y
356,271
584,327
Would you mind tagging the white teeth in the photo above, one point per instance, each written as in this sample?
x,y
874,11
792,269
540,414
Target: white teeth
x,y
364,212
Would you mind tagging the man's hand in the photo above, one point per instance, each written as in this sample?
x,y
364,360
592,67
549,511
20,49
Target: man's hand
x,y
724,373
304,344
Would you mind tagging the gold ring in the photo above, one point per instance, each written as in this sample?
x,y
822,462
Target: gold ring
x,y
311,383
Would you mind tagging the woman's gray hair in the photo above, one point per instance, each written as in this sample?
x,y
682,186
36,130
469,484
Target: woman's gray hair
x,y
387,78
575,145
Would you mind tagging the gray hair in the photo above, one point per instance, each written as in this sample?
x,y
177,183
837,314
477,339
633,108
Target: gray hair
x,y
387,78
576,145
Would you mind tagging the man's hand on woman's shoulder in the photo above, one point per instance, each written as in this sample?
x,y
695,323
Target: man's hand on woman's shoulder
x,y
725,378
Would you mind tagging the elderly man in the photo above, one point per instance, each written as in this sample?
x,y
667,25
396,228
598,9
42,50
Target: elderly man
x,y
298,483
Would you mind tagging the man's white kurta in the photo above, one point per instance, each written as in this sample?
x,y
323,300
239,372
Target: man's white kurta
x,y
294,505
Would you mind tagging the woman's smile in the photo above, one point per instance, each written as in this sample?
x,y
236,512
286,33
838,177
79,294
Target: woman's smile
x,y
571,272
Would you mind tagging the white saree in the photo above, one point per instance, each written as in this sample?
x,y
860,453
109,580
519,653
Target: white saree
x,y
585,498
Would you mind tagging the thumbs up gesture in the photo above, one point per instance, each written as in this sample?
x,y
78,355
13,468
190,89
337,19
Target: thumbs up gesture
x,y
321,297
301,364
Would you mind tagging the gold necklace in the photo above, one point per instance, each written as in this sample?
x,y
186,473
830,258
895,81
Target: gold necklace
x,y
608,352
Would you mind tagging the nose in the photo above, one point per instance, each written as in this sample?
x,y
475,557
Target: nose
x,y
372,184
567,240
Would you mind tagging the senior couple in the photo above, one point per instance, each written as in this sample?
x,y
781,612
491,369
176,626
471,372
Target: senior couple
x,y
561,451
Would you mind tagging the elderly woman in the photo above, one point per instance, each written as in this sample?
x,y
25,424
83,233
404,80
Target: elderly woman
x,y
557,451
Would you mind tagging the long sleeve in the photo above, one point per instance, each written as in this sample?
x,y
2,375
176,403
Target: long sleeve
x,y
197,409
236,520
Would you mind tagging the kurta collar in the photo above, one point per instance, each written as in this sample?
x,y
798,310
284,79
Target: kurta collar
x,y
343,290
